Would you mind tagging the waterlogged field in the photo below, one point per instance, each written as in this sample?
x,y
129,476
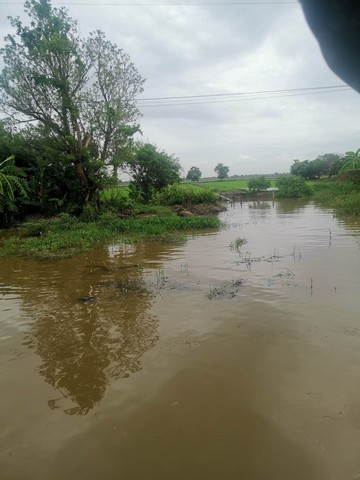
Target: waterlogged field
x,y
233,354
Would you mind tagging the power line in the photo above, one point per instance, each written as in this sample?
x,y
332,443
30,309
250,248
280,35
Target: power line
x,y
160,4
242,93
244,99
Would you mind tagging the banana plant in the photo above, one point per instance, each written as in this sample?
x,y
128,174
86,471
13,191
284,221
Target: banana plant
x,y
13,185
352,161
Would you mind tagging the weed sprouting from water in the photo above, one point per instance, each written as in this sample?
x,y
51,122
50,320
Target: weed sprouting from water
x,y
248,260
287,274
213,293
127,285
160,279
227,290
185,268
237,244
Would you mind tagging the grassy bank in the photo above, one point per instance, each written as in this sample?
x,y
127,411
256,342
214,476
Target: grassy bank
x,y
65,236
343,198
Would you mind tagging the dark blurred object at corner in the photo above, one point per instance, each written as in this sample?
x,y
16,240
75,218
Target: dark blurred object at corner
x,y
336,25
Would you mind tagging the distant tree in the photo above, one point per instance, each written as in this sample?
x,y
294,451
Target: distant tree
x,y
328,164
308,169
151,170
331,164
222,171
258,184
194,174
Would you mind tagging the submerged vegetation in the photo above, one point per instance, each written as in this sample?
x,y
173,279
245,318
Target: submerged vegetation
x,y
66,235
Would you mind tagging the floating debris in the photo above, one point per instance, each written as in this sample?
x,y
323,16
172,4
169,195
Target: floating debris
x,y
90,298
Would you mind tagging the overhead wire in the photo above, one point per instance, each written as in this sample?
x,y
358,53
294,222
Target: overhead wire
x,y
243,93
235,100
153,4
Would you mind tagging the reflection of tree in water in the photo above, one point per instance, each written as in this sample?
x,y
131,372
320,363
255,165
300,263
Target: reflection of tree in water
x,y
84,346
90,345
260,209
286,206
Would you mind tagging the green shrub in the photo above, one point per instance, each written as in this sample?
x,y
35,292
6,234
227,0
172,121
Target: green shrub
x,y
183,195
258,184
89,213
292,187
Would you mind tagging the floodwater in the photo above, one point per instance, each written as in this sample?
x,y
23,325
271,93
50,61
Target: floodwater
x,y
233,355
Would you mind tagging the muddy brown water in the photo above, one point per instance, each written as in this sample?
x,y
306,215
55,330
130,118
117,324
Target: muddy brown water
x,y
207,359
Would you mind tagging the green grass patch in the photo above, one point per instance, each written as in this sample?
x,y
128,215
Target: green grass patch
x,y
65,236
115,192
227,185
186,195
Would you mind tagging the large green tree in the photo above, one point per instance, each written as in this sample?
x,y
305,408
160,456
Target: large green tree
x,y
78,94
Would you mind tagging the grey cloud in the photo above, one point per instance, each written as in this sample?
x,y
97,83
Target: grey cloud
x,y
223,49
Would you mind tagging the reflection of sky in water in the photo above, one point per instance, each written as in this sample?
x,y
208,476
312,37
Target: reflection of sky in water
x,y
120,249
11,311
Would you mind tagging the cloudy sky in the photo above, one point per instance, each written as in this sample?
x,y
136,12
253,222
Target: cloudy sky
x,y
222,48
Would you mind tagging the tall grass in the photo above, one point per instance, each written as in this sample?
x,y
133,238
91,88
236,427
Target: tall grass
x,y
344,198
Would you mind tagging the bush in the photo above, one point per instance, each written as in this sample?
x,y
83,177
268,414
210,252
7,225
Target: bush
x,y
151,170
292,187
258,184
182,195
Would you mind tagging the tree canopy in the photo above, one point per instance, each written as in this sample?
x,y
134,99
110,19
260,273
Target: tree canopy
x,y
151,170
194,174
328,164
222,171
77,96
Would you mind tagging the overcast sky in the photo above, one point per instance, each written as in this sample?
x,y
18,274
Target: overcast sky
x,y
185,50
